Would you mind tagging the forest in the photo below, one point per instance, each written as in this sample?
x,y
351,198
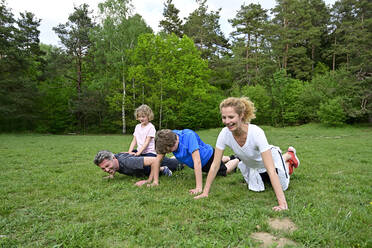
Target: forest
x,y
299,62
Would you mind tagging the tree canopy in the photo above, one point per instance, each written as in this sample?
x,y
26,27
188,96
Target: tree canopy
x,y
302,61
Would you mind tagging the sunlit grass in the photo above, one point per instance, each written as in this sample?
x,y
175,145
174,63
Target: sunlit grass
x,y
52,195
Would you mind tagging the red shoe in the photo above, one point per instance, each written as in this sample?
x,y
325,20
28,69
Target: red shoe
x,y
294,161
290,167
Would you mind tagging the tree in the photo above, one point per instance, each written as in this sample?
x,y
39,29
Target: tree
x,y
114,38
19,70
175,78
74,36
56,92
300,26
249,46
205,30
351,35
171,23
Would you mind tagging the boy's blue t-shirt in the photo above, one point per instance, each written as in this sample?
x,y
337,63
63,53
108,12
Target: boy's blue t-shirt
x,y
189,141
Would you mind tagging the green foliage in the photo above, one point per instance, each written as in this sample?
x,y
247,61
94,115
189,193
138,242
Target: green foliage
x,y
74,36
286,99
300,28
100,75
173,79
20,69
351,36
262,102
342,84
114,40
331,112
56,116
249,48
171,23
204,29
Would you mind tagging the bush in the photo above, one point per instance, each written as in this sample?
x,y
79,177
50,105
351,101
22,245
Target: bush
x,y
331,112
262,101
287,99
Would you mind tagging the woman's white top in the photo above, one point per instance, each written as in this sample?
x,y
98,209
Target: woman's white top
x,y
250,154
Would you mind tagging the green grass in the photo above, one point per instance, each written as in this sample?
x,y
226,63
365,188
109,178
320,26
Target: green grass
x,y
52,195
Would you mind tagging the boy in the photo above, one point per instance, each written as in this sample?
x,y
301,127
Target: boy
x,y
190,150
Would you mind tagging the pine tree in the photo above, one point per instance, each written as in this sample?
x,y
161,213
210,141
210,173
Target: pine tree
x,y
74,36
171,23
249,42
19,70
205,30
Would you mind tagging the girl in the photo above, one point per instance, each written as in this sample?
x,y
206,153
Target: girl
x,y
143,137
144,133
260,161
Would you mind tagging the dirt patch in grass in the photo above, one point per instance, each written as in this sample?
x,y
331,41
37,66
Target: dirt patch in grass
x,y
282,225
269,240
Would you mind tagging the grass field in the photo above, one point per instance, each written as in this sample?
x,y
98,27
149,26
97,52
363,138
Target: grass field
x,y
52,195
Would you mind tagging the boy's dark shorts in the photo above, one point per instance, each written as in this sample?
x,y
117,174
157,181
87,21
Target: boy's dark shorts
x,y
222,171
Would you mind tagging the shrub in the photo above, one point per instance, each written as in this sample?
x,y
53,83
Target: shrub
x,y
331,112
262,101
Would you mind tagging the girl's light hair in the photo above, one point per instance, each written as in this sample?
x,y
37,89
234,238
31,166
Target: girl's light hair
x,y
242,106
145,110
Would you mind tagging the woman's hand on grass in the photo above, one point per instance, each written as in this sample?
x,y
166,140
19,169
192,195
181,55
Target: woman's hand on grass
x,y
280,208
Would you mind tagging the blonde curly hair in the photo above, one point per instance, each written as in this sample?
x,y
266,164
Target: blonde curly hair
x,y
145,110
242,106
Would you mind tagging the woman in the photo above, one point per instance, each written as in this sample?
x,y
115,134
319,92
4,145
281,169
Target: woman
x,y
260,161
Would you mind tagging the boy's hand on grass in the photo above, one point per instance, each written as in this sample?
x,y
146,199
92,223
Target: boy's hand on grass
x,y
140,183
111,176
195,191
203,195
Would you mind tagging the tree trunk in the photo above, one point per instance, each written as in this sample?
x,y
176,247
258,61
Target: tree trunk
x,y
312,57
79,114
286,45
134,93
161,104
256,51
334,57
123,100
143,93
247,57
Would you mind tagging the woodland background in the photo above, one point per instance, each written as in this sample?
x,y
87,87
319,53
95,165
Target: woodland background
x,y
299,62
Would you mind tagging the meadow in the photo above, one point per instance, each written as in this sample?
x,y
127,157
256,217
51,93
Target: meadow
x,y
52,195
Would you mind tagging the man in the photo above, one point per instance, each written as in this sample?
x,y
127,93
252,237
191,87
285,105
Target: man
x,y
129,164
